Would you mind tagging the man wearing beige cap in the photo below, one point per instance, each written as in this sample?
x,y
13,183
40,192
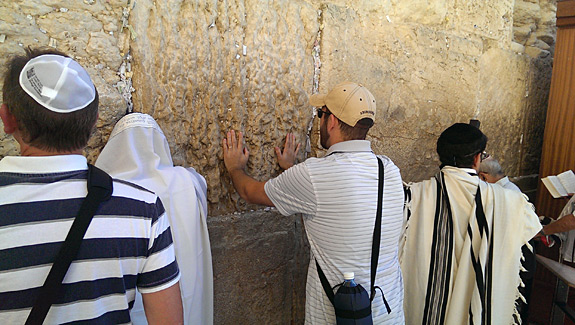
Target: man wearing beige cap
x,y
338,196
50,107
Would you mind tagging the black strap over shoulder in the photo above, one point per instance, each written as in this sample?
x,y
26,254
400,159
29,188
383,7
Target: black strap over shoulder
x,y
377,230
325,283
377,237
99,190
374,248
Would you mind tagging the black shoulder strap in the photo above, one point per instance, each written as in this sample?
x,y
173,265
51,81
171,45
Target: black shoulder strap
x,y
325,283
374,248
99,190
377,237
377,230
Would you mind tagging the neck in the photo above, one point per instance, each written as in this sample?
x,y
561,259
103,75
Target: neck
x,y
335,137
29,151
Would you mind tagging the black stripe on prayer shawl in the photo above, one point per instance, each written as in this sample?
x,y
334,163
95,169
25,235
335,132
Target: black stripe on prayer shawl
x,y
483,283
482,225
489,278
441,258
407,198
480,213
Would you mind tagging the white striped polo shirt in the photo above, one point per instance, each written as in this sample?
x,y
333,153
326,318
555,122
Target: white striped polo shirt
x,y
337,195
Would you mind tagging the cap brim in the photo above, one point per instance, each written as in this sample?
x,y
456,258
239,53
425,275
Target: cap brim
x,y
317,100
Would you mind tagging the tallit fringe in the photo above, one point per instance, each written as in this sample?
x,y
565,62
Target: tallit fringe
x,y
403,236
516,314
521,284
518,295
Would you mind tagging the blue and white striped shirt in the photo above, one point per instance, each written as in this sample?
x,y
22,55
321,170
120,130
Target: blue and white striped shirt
x,y
127,245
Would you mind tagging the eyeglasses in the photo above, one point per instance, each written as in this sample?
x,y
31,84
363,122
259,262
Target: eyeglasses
x,y
484,155
320,112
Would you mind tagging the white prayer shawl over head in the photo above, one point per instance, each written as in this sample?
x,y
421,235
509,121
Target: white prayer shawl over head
x,y
461,261
137,151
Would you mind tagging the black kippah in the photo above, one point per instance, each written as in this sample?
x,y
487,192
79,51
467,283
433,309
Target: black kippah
x,y
459,141
460,133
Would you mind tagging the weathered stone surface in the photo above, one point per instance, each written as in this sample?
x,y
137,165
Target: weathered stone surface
x,y
204,67
501,109
260,260
492,19
534,25
194,78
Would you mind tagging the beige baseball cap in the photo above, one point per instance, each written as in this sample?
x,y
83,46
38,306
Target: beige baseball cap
x,y
348,101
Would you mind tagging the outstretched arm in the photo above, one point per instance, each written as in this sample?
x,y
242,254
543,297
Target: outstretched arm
x,y
286,159
566,223
235,158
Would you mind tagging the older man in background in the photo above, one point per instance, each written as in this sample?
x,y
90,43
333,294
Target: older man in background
x,y
490,171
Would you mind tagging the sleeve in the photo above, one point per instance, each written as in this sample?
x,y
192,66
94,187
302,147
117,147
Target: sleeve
x,y
532,223
292,191
160,270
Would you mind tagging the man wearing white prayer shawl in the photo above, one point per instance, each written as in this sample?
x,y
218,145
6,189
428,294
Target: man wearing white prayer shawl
x,y
137,151
461,251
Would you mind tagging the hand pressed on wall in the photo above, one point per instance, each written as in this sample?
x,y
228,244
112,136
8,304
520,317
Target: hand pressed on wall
x,y
286,159
235,158
235,154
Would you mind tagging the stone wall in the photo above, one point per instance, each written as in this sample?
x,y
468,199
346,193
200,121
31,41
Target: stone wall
x,y
203,67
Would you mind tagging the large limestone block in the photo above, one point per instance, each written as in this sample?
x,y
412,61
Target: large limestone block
x,y
534,115
526,13
421,12
513,108
491,19
204,67
504,80
260,264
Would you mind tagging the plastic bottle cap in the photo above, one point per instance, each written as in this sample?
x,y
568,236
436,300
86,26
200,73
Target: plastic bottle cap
x,y
348,275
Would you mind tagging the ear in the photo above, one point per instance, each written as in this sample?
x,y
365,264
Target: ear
x,y
332,122
9,120
476,161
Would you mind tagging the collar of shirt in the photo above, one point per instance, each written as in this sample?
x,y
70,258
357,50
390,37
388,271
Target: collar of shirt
x,y
350,146
469,171
43,164
503,181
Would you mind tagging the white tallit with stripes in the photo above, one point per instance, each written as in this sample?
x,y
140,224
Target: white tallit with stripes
x,y
461,254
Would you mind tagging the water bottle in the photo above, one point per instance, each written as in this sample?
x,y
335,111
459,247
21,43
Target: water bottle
x,y
349,279
351,302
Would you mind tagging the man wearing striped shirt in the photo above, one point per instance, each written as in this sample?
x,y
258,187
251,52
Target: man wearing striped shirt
x,y
337,195
50,107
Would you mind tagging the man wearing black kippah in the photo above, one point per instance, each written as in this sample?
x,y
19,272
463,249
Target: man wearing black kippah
x,y
461,251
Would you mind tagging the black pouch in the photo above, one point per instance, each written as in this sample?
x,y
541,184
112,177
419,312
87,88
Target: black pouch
x,y
352,306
